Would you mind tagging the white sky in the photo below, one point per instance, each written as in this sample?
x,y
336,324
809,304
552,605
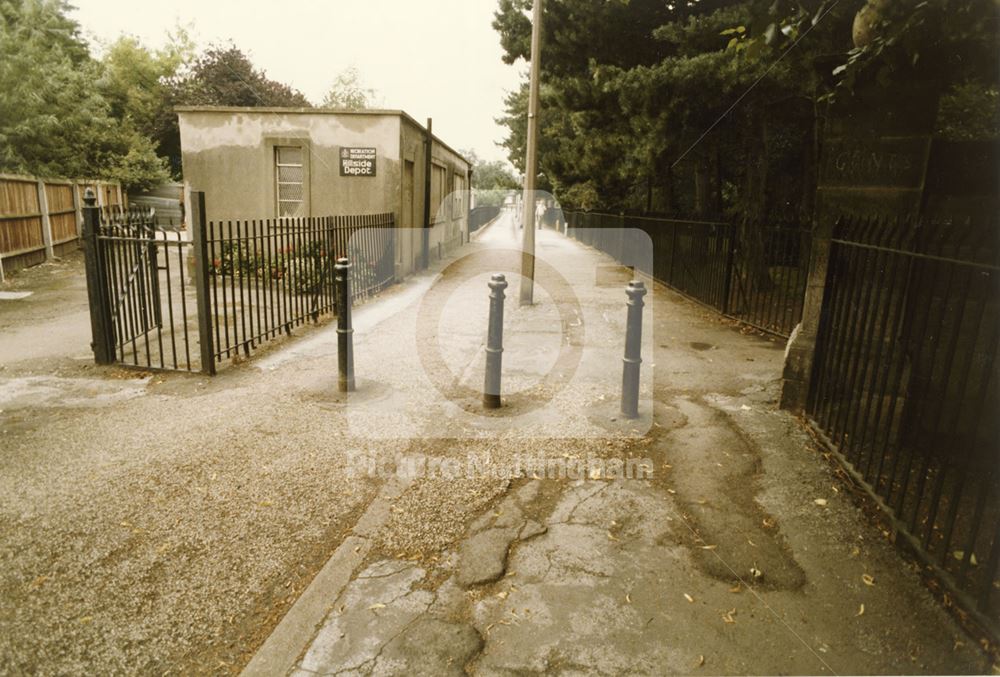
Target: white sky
x,y
431,58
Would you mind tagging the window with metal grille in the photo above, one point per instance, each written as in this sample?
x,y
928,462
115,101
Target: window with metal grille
x,y
289,176
439,209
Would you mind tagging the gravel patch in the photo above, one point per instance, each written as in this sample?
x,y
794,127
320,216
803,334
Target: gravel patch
x,y
167,533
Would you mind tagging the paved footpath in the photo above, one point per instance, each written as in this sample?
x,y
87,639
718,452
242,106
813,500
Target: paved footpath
x,y
741,553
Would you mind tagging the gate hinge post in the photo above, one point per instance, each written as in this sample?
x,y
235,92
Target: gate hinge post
x,y
200,242
98,294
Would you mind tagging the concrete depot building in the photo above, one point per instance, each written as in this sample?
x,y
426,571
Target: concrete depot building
x,y
266,163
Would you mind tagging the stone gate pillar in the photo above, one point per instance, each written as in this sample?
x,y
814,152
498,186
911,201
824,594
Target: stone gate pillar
x,y
873,162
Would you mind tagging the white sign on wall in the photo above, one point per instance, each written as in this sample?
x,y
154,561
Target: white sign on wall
x,y
357,162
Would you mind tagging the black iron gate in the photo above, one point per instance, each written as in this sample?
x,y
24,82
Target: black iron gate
x,y
142,313
905,388
161,301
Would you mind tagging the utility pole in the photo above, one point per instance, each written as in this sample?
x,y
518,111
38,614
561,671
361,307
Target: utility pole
x,y
531,163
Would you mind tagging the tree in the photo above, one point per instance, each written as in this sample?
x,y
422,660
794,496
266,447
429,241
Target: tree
x,y
664,106
222,75
54,119
944,41
970,111
136,82
347,92
491,181
225,76
135,79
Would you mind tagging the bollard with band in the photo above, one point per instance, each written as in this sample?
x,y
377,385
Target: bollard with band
x,y
494,342
345,339
633,349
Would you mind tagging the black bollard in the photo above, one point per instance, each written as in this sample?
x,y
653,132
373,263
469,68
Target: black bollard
x,y
345,340
494,343
633,350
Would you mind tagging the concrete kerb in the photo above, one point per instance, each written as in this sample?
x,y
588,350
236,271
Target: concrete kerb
x,y
281,651
742,421
286,644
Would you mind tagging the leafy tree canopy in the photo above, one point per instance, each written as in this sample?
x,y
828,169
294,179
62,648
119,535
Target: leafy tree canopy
x,y
696,106
54,120
135,78
224,76
491,181
348,92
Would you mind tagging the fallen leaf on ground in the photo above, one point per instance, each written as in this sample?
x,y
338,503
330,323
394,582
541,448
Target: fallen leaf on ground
x,y
735,588
868,579
820,501
502,595
700,662
861,611
689,598
628,598
960,555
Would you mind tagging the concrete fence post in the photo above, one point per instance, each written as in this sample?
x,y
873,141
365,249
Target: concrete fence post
x,y
494,342
633,349
43,208
77,208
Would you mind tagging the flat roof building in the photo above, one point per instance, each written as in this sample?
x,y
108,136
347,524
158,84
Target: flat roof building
x,y
266,163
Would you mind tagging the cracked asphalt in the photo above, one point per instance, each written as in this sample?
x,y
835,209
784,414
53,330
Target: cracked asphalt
x,y
166,523
720,561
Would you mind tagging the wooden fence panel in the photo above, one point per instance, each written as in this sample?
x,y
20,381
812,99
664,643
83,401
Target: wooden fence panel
x,y
62,213
29,237
20,216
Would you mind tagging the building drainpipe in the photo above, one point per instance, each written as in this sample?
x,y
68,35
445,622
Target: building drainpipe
x,y
469,199
428,147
